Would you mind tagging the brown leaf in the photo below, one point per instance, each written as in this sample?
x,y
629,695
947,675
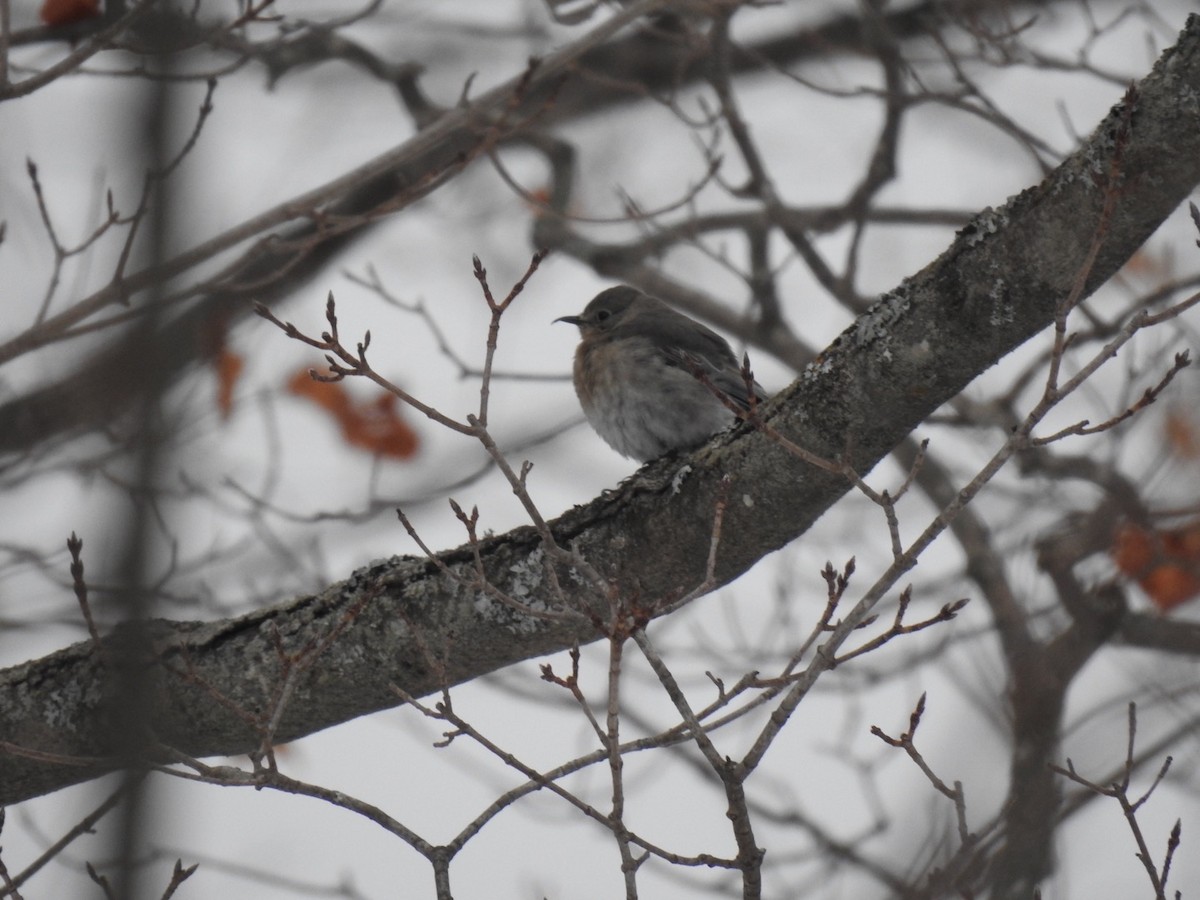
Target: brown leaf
x,y
1166,563
376,426
1182,435
63,12
228,367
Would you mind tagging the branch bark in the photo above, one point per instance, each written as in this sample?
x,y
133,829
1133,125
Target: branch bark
x,y
404,622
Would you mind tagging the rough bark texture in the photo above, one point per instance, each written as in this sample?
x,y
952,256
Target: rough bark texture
x,y
403,622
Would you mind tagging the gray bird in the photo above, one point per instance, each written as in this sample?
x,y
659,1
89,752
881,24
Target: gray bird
x,y
635,374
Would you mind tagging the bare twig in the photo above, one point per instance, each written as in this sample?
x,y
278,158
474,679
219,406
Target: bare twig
x,y
75,547
954,794
1119,791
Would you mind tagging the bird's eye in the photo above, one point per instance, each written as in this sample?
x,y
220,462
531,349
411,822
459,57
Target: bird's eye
x,y
602,314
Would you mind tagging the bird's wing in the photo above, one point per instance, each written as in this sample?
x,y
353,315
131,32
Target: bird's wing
x,y
718,365
729,380
688,344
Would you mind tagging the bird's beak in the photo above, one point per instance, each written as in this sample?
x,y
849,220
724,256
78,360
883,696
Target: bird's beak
x,y
570,320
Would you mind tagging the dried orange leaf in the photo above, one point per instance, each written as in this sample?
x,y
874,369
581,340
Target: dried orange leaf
x,y
1182,435
1166,563
63,12
376,425
228,366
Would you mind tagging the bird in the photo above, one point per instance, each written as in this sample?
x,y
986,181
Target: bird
x,y
640,370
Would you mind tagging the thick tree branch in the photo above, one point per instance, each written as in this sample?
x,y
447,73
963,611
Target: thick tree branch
x,y
403,622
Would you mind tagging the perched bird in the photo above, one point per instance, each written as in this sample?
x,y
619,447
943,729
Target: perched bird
x,y
636,374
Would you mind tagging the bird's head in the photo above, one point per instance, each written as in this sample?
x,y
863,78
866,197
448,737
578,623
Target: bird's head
x,y
606,310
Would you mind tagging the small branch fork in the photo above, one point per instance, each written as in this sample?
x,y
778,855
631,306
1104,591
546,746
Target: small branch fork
x,y
151,183
1119,791
371,281
954,794
444,711
179,875
497,310
945,614
343,362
